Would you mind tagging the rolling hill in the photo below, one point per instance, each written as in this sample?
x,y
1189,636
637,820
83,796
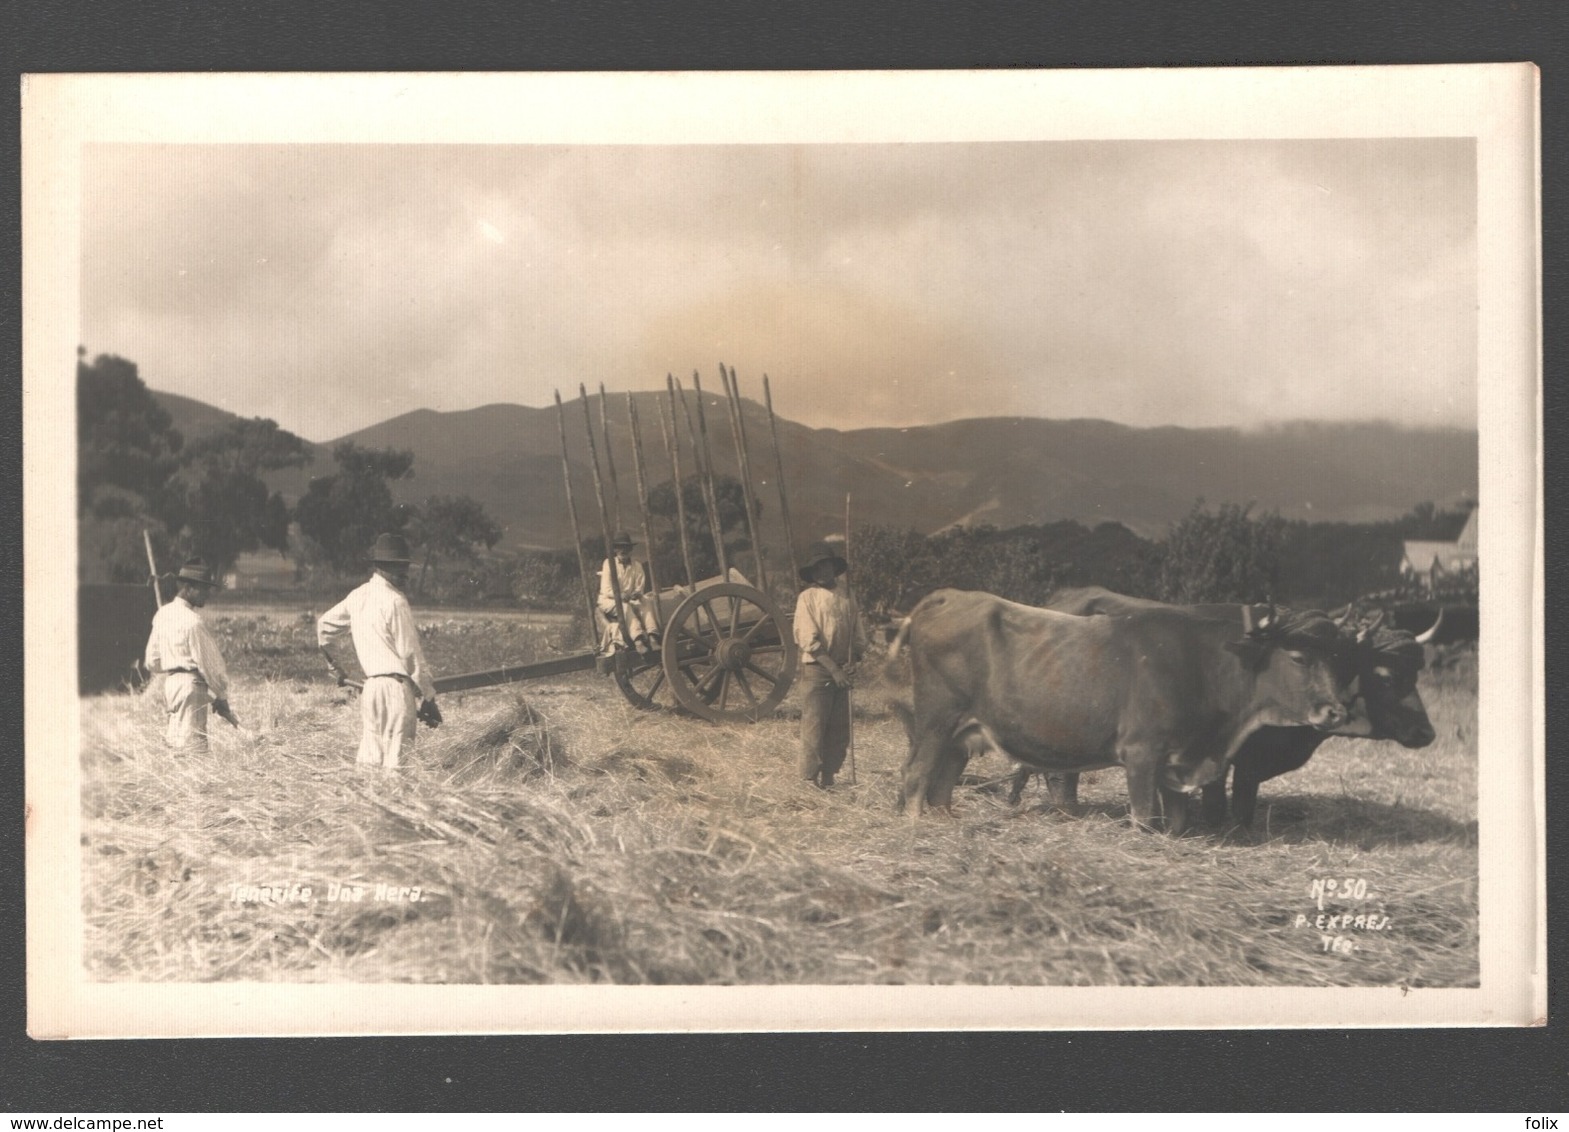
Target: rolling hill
x,y
998,471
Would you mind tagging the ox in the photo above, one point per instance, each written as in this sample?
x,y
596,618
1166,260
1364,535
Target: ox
x,y
1385,664
1167,696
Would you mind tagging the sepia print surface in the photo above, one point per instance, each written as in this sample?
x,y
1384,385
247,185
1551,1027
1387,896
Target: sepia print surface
x,y
1261,337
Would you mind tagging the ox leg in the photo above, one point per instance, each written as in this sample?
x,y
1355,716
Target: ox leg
x,y
1064,790
1174,805
1244,799
922,768
1214,807
1142,790
945,777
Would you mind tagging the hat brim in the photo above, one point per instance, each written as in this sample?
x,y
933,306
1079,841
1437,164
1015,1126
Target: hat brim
x,y
379,561
209,582
840,566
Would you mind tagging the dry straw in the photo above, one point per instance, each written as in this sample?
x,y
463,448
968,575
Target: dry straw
x,y
555,834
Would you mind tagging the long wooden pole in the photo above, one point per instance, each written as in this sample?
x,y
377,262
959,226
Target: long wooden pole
x,y
850,693
152,567
672,449
705,469
642,490
604,515
784,504
744,464
610,460
577,534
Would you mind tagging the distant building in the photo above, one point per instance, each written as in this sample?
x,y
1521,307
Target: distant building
x,y
260,570
1441,565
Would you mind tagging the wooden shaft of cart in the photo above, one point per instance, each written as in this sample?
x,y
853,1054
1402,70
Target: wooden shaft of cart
x,y
610,460
705,471
506,674
604,515
642,489
672,450
779,479
744,464
577,534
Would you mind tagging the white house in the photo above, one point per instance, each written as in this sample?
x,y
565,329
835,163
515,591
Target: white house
x,y
1430,561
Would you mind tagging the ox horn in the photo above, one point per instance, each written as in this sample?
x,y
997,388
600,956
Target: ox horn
x,y
1424,638
1344,616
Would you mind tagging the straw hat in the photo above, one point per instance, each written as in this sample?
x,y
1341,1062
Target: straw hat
x,y
390,548
822,552
196,570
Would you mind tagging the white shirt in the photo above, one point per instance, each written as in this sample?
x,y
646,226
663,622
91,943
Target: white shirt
x,y
378,618
827,621
633,579
181,640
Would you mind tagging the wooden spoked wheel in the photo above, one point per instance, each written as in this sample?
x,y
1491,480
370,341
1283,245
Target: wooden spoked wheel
x,y
729,655
642,680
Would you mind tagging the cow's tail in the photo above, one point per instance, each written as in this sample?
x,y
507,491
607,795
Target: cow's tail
x,y
894,671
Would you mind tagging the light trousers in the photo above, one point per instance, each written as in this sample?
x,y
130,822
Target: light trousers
x,y
186,696
387,713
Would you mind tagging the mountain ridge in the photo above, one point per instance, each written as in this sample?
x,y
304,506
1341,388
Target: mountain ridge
x,y
1004,471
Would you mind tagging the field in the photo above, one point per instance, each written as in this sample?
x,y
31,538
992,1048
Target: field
x,y
550,832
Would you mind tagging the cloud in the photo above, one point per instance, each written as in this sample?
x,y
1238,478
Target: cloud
x,y
1146,282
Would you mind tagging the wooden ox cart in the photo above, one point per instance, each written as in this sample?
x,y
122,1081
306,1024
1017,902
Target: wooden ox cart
x,y
726,651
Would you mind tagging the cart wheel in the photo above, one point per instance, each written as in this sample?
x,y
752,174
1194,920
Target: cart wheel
x,y
642,680
729,655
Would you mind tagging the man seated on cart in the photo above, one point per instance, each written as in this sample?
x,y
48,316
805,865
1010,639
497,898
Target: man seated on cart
x,y
637,604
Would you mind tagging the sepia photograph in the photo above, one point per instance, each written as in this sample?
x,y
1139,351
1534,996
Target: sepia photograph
x,y
764,552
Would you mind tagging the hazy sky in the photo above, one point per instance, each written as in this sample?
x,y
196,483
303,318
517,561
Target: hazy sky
x,y
1188,283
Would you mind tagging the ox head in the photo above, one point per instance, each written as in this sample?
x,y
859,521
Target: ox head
x,y
1386,704
1300,666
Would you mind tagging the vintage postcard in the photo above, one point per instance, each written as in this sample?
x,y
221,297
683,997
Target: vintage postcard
x,y
669,552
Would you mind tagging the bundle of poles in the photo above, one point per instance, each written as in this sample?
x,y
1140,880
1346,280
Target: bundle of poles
x,y
607,489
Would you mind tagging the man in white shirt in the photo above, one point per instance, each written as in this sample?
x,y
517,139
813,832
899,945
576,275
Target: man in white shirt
x,y
183,651
640,626
828,631
378,619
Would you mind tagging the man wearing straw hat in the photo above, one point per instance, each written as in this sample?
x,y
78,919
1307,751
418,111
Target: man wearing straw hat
x,y
378,619
181,648
829,633
640,624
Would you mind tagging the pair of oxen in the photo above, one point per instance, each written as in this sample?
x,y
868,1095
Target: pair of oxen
x,y
1179,696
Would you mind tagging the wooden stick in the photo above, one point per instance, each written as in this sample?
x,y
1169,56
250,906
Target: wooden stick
x,y
672,449
604,516
849,598
152,567
784,505
642,490
577,535
705,470
738,433
610,461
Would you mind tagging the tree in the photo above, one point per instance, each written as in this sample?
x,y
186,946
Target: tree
x,y
124,437
227,509
136,473
449,527
666,551
891,566
1222,556
127,449
340,515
